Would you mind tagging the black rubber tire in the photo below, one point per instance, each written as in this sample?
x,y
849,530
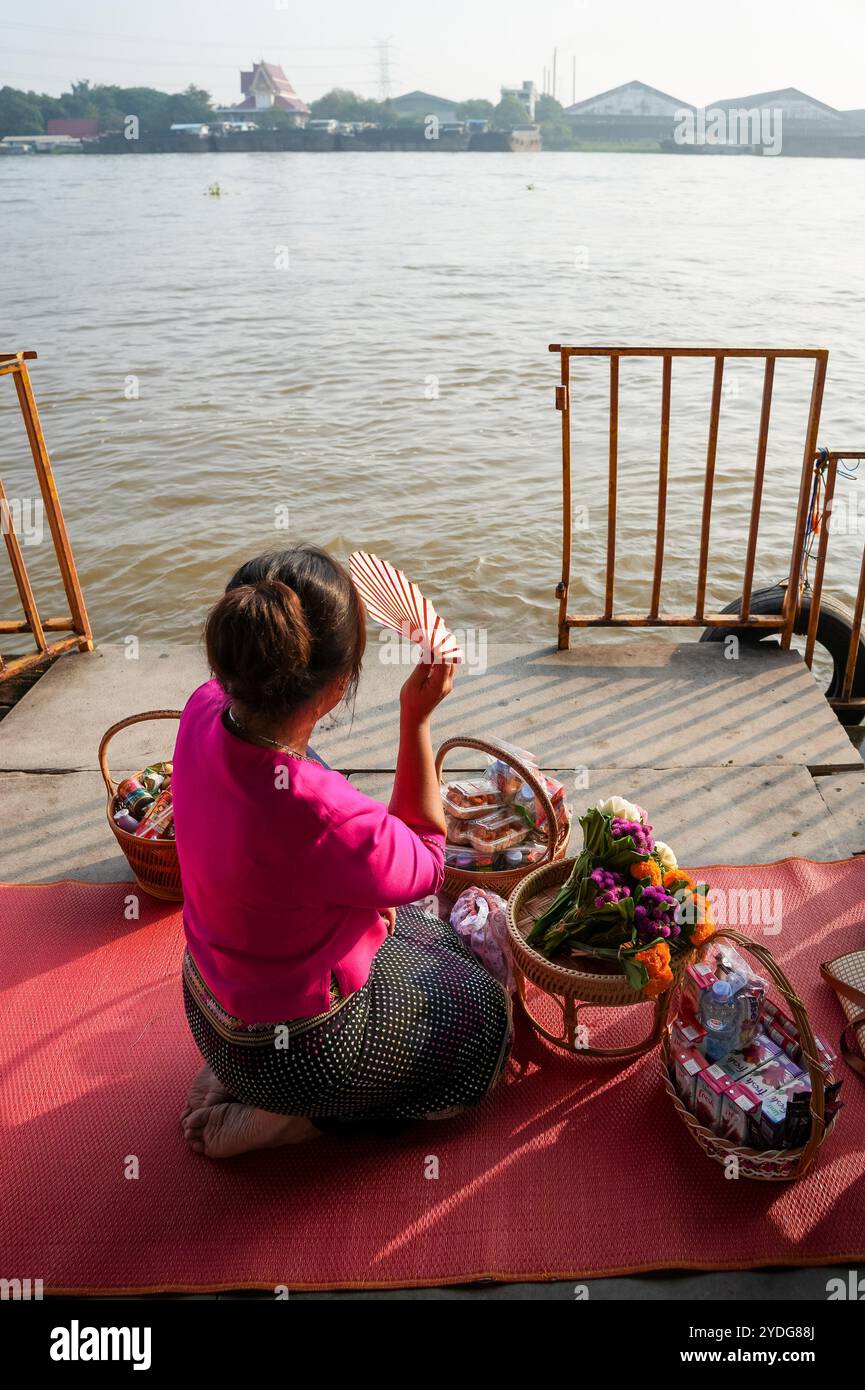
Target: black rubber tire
x,y
833,634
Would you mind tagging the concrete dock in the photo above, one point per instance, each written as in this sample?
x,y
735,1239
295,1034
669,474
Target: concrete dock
x,y
739,761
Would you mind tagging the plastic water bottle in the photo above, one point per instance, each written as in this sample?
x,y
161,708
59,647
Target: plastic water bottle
x,y
719,1015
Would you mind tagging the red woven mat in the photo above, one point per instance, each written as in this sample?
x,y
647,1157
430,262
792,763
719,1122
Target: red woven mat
x,y
572,1169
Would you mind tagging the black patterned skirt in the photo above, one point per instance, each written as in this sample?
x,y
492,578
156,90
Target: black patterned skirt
x,y
429,1031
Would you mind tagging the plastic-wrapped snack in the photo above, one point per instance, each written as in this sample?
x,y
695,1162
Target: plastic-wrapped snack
x,y
500,772
468,859
479,918
731,965
466,800
501,829
456,830
748,987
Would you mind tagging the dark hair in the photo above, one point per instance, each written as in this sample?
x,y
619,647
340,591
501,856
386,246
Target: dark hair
x,y
288,623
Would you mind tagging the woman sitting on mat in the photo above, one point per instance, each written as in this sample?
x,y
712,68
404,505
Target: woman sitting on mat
x,y
318,999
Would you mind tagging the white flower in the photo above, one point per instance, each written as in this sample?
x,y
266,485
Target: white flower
x,y
666,855
618,806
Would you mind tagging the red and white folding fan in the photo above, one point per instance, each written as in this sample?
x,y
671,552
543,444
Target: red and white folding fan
x,y
392,600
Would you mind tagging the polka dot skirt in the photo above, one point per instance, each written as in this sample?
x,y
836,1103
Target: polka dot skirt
x,y
428,1031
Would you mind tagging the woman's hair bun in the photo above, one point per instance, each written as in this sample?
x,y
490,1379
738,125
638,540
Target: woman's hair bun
x,y
259,643
287,624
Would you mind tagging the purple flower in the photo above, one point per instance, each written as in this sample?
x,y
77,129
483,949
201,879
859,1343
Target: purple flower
x,y
654,915
610,887
639,833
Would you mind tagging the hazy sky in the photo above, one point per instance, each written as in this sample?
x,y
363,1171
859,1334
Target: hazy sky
x,y
454,48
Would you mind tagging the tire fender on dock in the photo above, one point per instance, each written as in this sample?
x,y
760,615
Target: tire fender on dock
x,y
834,627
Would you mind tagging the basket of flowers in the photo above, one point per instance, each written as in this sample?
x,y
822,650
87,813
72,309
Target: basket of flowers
x,y
614,926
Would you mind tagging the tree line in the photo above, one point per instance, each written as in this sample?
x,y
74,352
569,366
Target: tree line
x,y
28,113
342,105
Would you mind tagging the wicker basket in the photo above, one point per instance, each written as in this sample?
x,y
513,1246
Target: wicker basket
x,y
504,881
153,862
767,1165
575,978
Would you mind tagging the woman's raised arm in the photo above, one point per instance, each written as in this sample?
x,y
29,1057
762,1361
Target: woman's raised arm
x,y
416,799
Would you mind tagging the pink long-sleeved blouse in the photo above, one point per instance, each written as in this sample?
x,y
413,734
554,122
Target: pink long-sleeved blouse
x,y
286,869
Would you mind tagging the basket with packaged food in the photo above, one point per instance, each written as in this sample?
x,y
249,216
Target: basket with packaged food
x,y
502,823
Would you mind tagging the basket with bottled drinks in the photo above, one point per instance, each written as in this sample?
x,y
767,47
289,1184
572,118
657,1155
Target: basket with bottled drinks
x,y
747,1075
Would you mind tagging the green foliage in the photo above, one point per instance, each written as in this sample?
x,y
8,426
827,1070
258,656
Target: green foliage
x,y
573,913
476,109
509,113
191,105
557,135
20,113
340,104
273,118
617,146
556,130
27,113
548,109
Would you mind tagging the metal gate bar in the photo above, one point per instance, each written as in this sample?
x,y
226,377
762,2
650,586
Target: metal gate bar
x,y
784,623
14,364
827,460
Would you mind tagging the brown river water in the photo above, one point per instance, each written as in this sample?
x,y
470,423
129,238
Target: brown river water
x,y
357,344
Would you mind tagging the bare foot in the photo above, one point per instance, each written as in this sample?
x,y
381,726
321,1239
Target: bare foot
x,y
206,1089
225,1129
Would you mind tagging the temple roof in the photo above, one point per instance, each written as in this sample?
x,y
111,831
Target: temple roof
x,y
272,77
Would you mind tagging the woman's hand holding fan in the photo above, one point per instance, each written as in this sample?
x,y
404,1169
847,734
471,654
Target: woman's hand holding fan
x,y
395,602
426,687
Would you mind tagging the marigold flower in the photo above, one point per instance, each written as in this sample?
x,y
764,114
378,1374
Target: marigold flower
x,y
680,879
705,923
657,956
658,986
647,869
704,910
656,959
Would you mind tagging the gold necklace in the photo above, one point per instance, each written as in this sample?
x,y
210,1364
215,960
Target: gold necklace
x,y
262,738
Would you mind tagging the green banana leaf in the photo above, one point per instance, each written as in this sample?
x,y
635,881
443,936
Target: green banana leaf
x,y
577,893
